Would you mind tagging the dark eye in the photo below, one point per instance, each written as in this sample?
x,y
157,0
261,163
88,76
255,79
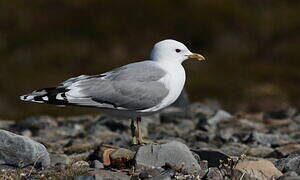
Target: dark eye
x,y
177,50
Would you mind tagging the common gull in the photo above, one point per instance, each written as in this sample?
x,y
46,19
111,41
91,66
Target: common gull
x,y
130,91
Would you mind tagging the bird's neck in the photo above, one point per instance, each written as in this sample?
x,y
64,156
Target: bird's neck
x,y
170,62
172,67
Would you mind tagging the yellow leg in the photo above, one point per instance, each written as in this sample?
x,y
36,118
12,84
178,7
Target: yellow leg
x,y
139,132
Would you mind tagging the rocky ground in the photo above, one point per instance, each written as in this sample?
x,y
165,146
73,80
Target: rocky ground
x,y
198,142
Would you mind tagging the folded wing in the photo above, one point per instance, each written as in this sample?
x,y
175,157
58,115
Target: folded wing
x,y
137,86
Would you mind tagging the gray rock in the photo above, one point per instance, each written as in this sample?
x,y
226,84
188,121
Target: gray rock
x,y
59,159
173,115
113,124
164,175
259,151
37,122
109,175
290,175
120,140
201,108
218,117
256,138
150,173
189,137
290,178
227,134
234,149
85,177
6,124
97,164
185,127
97,127
288,164
175,153
281,163
21,151
205,123
58,133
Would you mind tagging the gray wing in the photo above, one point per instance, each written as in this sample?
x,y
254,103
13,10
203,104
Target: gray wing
x,y
135,86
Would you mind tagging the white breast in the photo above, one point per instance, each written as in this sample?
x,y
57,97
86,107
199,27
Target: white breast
x,y
174,81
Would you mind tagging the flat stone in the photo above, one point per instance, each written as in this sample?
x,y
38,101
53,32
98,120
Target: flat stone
x,y
150,173
175,153
288,149
258,169
109,175
59,159
234,149
259,151
21,151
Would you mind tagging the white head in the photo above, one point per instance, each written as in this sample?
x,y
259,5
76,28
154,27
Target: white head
x,y
172,50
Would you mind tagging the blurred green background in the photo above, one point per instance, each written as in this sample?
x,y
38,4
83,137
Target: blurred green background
x,y
252,47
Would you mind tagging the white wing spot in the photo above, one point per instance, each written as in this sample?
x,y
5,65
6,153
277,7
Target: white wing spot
x,y
59,97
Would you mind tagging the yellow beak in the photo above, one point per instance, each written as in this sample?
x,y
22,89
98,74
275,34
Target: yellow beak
x,y
196,56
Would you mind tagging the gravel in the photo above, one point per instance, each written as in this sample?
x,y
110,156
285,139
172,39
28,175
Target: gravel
x,y
190,140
